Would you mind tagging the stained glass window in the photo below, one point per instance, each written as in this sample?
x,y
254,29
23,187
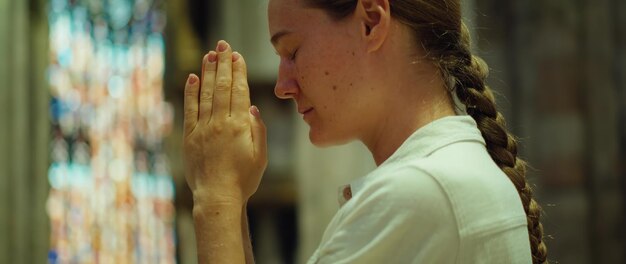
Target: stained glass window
x,y
111,195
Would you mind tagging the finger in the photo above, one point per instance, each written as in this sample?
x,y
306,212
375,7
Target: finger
x,y
240,95
223,80
259,133
208,83
192,88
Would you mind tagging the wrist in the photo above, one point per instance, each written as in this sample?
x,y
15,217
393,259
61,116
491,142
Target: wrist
x,y
204,197
217,224
207,210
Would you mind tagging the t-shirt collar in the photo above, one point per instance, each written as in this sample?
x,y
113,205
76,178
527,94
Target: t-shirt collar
x,y
421,143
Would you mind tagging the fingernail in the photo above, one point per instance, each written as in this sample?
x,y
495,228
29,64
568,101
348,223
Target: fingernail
x,y
255,111
212,57
236,56
192,79
221,46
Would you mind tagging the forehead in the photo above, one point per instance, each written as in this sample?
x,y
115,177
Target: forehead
x,y
288,15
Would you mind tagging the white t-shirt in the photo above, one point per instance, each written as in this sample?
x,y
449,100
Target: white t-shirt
x,y
439,198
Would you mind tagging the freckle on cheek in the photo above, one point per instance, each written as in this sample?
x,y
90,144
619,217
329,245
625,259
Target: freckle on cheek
x,y
353,53
326,72
335,87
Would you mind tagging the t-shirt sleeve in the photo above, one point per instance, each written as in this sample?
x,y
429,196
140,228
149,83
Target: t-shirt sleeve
x,y
401,218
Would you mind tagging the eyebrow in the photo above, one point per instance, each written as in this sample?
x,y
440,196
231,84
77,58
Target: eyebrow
x,y
279,35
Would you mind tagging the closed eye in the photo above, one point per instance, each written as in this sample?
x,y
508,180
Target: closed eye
x,y
293,55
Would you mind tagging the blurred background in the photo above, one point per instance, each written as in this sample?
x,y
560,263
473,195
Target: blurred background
x,y
91,122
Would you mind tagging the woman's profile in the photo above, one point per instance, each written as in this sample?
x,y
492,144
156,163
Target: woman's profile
x,y
398,76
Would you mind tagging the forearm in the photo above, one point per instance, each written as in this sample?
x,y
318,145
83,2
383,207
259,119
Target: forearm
x,y
219,233
245,232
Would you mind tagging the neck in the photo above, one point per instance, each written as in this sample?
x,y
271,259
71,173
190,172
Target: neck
x,y
395,131
413,108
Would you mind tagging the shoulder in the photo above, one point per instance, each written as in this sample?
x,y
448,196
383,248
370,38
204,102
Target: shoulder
x,y
403,216
405,182
406,191
480,194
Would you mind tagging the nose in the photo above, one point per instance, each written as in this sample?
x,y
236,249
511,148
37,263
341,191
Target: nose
x,y
286,86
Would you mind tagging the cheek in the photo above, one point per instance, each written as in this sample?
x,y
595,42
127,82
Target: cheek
x,y
329,76
328,72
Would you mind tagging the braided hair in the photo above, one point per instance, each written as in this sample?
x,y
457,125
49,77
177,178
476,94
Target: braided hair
x,y
470,74
438,27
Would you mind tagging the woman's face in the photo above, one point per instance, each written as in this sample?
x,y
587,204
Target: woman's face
x,y
321,69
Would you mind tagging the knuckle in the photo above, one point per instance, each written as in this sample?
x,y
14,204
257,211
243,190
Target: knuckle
x,y
240,89
223,83
191,91
216,128
240,65
206,97
238,128
227,127
222,87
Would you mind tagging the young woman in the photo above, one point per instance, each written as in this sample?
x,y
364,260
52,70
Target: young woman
x,y
397,75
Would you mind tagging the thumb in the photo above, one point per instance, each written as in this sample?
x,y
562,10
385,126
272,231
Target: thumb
x,y
259,133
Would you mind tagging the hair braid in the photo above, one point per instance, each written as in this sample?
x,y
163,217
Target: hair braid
x,y
470,73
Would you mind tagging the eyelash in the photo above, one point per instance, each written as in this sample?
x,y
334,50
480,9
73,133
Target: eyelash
x,y
293,55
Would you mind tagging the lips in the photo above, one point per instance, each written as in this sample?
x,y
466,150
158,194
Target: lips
x,y
304,110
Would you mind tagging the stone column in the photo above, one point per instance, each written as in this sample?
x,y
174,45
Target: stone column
x,y
602,122
24,129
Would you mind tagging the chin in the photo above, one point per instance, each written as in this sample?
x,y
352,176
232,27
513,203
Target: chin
x,y
323,140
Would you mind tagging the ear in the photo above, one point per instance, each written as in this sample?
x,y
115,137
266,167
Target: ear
x,y
375,18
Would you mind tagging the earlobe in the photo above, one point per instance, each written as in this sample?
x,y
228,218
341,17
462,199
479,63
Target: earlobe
x,y
375,18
